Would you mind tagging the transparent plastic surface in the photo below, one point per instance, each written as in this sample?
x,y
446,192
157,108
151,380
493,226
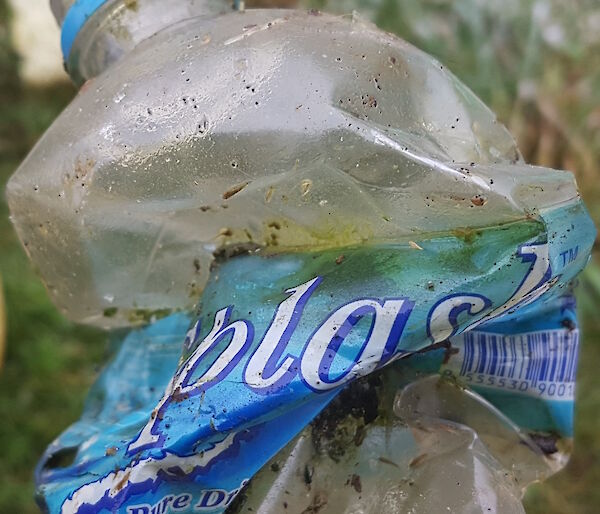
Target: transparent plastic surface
x,y
275,130
436,448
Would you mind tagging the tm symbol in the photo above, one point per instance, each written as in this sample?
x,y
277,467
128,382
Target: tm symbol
x,y
569,255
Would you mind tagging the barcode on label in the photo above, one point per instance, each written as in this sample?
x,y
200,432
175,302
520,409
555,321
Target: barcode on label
x,y
540,363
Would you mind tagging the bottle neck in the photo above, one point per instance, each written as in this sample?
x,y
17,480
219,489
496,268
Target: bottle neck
x,y
97,33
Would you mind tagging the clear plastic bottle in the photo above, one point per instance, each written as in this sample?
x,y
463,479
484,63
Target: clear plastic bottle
x,y
319,199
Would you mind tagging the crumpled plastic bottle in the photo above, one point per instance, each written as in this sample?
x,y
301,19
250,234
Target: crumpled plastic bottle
x,y
294,200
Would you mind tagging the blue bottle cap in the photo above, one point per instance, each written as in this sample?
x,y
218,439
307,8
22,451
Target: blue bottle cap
x,y
75,19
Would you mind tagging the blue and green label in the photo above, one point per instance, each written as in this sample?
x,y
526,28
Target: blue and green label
x,y
194,405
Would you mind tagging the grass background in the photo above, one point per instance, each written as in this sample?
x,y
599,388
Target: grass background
x,y
537,63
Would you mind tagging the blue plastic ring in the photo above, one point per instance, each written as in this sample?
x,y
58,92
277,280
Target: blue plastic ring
x,y
76,17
